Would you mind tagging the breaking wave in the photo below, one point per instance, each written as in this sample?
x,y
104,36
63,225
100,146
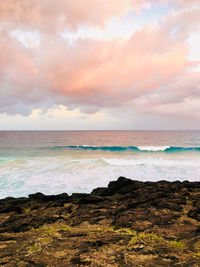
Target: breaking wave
x,y
129,148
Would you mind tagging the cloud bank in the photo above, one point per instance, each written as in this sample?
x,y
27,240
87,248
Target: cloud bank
x,y
148,73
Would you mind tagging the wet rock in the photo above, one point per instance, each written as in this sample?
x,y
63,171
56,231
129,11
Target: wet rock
x,y
45,198
121,186
101,191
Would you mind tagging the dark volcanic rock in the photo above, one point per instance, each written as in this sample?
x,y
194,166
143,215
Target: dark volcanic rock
x,y
41,197
143,220
21,223
10,208
194,213
121,186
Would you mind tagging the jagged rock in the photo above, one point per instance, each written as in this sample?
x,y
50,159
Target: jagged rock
x,y
41,197
194,213
162,212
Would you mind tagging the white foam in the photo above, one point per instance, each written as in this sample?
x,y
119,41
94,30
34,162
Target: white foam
x,y
153,148
53,175
152,161
86,146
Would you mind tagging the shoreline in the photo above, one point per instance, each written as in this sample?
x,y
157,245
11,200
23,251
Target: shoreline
x,y
55,196
128,223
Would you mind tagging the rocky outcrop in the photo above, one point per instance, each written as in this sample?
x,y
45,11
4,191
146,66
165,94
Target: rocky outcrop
x,y
128,219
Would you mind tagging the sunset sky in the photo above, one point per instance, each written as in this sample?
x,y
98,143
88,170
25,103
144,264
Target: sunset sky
x,y
99,64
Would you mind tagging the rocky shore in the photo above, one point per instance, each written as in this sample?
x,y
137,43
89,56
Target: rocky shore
x,y
129,223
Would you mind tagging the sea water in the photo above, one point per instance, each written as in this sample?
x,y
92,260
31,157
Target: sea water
x,y
53,162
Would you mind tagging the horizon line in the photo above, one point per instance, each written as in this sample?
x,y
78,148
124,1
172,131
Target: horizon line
x,y
87,130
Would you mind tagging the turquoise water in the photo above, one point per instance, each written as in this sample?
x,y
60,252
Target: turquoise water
x,y
78,161
131,148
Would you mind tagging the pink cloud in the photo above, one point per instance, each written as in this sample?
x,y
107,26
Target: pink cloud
x,y
118,70
49,15
150,69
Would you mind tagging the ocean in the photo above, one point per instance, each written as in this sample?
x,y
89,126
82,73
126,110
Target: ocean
x,y
53,162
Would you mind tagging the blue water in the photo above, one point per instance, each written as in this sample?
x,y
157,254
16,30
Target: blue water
x,y
130,148
78,161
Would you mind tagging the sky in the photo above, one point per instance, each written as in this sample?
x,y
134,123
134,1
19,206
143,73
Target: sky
x,y
100,65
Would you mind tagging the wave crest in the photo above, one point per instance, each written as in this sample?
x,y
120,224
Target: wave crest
x,y
153,148
130,148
